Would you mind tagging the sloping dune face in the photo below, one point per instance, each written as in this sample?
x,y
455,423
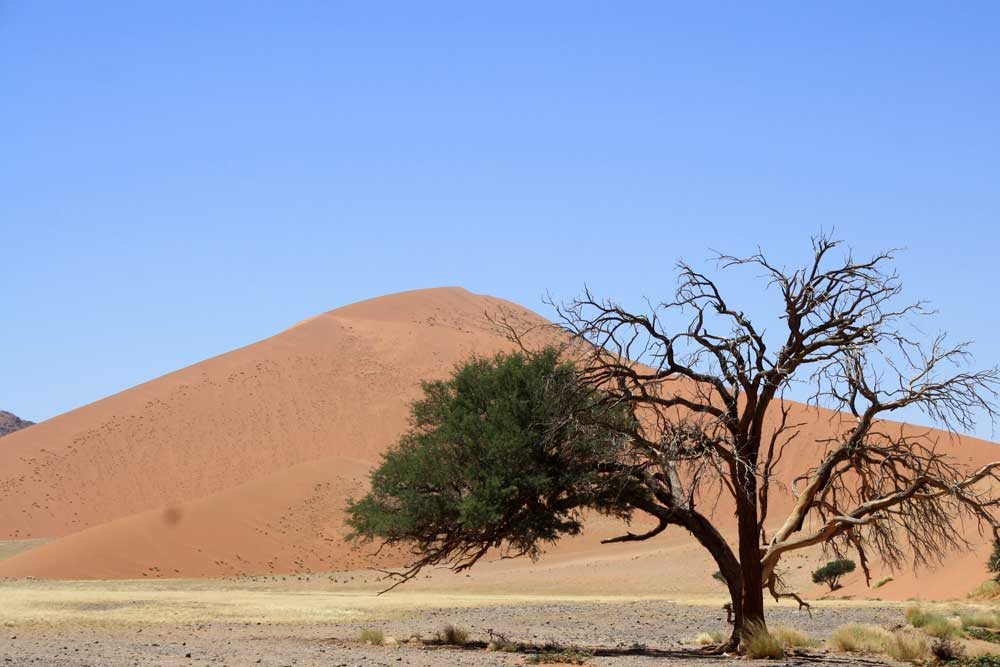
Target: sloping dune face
x,y
333,390
242,464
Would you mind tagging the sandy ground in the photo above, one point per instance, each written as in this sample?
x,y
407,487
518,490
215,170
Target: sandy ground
x,y
274,623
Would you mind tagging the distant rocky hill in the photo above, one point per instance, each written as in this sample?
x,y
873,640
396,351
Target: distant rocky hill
x,y
10,423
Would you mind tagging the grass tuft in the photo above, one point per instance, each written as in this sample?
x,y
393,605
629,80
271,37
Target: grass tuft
x,y
857,638
932,623
759,643
908,647
918,616
451,635
975,648
987,590
371,636
942,628
903,645
980,619
792,638
708,638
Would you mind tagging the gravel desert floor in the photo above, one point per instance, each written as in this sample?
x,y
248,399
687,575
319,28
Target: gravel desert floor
x,y
234,623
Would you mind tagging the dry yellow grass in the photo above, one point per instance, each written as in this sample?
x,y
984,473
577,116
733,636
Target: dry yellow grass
x,y
759,643
792,638
207,600
708,638
195,601
903,645
988,590
271,600
975,648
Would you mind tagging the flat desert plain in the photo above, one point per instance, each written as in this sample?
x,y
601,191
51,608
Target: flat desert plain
x,y
640,606
318,620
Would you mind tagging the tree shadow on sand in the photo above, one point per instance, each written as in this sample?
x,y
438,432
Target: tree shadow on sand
x,y
499,644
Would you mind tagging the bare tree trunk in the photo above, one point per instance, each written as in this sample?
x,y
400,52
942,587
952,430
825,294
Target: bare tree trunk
x,y
750,571
710,538
731,573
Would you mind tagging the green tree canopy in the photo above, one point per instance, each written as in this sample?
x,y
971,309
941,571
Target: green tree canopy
x,y
994,560
503,455
831,573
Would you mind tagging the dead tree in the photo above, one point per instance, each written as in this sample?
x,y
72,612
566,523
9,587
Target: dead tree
x,y
707,388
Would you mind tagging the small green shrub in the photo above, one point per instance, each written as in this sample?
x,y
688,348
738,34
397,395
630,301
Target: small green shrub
x,y
882,582
370,636
942,628
983,634
982,661
918,617
759,643
932,623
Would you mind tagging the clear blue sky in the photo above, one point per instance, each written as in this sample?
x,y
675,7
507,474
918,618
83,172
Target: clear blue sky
x,y
179,179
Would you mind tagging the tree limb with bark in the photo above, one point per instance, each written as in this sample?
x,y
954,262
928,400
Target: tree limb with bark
x,y
707,387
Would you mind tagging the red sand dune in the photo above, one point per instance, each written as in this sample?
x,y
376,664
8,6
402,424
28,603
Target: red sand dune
x,y
241,463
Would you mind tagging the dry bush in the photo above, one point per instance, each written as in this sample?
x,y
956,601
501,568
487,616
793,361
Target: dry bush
x,y
918,616
942,628
908,646
792,638
370,636
504,645
988,590
882,582
933,623
903,645
708,638
759,643
980,619
857,638
452,636
947,650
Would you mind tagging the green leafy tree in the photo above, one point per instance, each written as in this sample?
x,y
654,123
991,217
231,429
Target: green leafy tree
x,y
503,455
685,401
994,561
831,573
